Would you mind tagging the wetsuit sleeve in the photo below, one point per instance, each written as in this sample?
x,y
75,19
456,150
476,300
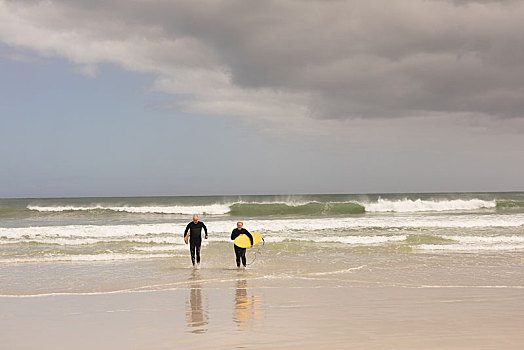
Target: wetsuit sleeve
x,y
187,229
246,232
236,233
205,228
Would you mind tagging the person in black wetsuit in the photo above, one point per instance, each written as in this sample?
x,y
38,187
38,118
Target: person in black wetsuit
x,y
193,234
241,252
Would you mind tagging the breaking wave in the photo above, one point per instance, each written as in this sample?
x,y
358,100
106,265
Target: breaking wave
x,y
212,209
419,205
303,209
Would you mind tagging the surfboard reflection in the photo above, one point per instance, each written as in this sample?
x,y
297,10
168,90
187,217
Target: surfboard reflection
x,y
196,313
248,307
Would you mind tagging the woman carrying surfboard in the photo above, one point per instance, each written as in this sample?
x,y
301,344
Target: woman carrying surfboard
x,y
241,252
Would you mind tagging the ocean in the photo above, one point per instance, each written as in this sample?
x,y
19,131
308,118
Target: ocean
x,y
64,245
403,271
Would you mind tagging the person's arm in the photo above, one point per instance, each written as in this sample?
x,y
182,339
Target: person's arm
x,y
205,230
233,235
246,232
186,234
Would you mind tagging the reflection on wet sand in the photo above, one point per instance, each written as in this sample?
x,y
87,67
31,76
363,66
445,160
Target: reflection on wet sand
x,y
247,307
196,313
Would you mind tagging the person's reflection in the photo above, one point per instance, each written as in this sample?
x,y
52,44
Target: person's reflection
x,y
247,307
196,314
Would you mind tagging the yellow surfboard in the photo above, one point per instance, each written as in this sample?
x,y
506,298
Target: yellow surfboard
x,y
243,241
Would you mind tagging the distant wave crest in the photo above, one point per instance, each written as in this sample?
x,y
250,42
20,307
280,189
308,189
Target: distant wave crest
x,y
419,205
304,209
212,209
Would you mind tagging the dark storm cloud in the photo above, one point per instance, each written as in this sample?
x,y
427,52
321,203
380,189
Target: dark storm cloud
x,y
345,59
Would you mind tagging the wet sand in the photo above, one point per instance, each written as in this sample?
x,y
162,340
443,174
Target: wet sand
x,y
277,313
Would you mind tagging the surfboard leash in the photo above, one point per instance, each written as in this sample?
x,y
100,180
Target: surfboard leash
x,y
257,252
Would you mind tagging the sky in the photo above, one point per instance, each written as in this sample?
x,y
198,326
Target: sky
x,y
158,97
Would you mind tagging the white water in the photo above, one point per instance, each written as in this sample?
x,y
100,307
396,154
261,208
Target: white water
x,y
471,248
467,225
165,247
213,209
224,227
382,205
410,206
175,242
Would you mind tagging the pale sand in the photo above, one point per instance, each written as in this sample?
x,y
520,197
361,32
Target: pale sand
x,y
295,313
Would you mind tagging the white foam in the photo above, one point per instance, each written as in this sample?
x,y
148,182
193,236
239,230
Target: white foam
x,y
107,231
419,205
172,248
163,243
472,248
158,239
382,205
487,239
356,239
212,209
176,242
478,243
221,229
336,272
86,257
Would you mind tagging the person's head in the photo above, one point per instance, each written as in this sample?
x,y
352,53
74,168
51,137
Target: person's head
x,y
240,224
195,218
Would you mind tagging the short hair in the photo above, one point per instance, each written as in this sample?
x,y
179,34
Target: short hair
x,y
240,222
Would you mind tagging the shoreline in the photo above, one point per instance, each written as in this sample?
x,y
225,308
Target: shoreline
x,y
276,314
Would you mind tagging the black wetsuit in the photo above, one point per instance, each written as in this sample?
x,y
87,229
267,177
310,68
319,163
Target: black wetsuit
x,y
241,252
195,239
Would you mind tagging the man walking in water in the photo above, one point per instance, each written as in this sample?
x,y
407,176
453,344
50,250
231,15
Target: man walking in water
x,y
241,252
193,234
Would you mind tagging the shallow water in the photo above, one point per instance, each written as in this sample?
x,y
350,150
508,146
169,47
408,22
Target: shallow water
x,y
111,244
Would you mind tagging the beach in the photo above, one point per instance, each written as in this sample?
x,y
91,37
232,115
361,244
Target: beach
x,y
427,271
341,311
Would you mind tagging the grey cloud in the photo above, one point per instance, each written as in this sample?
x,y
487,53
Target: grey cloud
x,y
345,59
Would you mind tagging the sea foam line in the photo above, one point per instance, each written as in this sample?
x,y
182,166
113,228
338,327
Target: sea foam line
x,y
470,248
86,258
487,239
143,289
336,272
176,242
